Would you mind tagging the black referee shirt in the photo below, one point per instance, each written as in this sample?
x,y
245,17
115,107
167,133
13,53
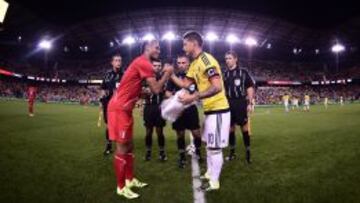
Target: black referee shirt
x,y
236,82
155,99
172,87
111,81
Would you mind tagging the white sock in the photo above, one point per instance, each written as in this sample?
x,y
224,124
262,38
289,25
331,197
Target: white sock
x,y
216,164
208,162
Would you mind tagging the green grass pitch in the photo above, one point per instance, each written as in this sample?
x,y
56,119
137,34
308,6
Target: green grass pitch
x,y
297,157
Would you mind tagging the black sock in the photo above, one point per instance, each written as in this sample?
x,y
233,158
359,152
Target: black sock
x,y
148,139
197,143
161,139
108,142
232,142
181,146
246,139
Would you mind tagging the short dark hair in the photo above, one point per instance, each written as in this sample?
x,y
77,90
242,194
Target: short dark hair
x,y
155,60
146,43
232,53
183,56
194,36
115,55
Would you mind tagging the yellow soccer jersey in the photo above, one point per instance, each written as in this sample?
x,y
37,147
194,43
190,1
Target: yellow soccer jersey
x,y
307,98
286,98
201,70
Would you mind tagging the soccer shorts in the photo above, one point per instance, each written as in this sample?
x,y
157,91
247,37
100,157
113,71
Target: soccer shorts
x,y
152,116
189,120
120,126
216,130
238,109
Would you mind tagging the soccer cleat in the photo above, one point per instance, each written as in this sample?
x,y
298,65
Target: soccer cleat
x,y
210,186
182,163
147,156
231,157
127,193
135,183
248,157
162,156
31,115
206,176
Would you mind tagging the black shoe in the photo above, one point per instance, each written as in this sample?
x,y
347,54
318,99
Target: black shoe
x,y
148,156
107,152
162,156
248,159
231,157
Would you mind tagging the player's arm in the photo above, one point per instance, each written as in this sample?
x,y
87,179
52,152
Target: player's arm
x,y
182,83
157,86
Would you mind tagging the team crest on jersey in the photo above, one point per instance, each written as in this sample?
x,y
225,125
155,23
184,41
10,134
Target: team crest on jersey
x,y
237,82
211,72
192,88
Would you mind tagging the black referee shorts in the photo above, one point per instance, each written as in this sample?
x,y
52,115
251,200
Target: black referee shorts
x,y
238,110
152,116
189,120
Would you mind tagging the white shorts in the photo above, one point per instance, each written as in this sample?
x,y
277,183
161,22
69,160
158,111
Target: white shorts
x,y
216,130
307,103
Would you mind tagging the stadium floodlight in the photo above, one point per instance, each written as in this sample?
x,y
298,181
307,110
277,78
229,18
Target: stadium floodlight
x,y
337,48
19,38
295,50
232,39
111,44
169,36
317,51
129,40
45,44
148,37
250,41
268,46
210,36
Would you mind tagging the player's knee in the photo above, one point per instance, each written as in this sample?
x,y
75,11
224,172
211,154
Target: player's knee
x,y
196,133
180,134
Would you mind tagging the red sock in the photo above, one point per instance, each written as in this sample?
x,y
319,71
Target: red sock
x,y
129,168
119,166
31,108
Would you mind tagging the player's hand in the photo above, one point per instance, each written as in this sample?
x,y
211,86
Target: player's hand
x,y
187,98
168,68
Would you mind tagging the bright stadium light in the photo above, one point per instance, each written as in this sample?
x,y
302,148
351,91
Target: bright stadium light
x,y
211,37
337,48
169,36
250,41
129,40
148,37
232,39
45,44
268,46
317,51
111,44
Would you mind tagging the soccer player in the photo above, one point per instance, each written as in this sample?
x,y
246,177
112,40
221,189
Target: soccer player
x,y
189,120
111,81
239,87
152,117
120,119
341,101
307,102
286,102
206,74
31,93
326,101
294,103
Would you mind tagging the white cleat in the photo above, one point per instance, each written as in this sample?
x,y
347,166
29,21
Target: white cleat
x,y
127,193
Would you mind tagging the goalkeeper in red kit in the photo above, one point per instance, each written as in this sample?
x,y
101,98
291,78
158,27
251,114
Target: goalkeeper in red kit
x,y
31,94
120,119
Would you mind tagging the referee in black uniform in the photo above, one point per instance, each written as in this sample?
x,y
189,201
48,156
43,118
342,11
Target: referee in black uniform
x,y
239,87
152,117
111,81
189,119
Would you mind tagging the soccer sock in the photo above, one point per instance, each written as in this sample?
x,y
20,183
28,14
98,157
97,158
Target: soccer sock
x,y
181,146
246,139
31,109
148,139
108,141
208,161
161,139
216,164
119,167
197,143
232,141
129,167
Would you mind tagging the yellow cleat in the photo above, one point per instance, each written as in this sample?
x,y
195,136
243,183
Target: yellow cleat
x,y
135,183
206,176
127,193
211,186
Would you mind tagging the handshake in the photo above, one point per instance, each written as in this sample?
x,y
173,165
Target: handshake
x,y
168,69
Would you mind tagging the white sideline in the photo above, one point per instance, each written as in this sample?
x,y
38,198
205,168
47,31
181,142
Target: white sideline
x,y
199,195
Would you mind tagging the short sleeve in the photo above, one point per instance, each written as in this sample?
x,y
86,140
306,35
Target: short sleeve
x,y
146,69
190,74
249,82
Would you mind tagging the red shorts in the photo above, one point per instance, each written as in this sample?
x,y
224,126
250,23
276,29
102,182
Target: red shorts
x,y
120,126
31,101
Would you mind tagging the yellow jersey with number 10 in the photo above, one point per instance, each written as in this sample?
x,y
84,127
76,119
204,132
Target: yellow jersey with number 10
x,y
201,70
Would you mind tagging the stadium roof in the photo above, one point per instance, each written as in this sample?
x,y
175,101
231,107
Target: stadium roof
x,y
293,24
